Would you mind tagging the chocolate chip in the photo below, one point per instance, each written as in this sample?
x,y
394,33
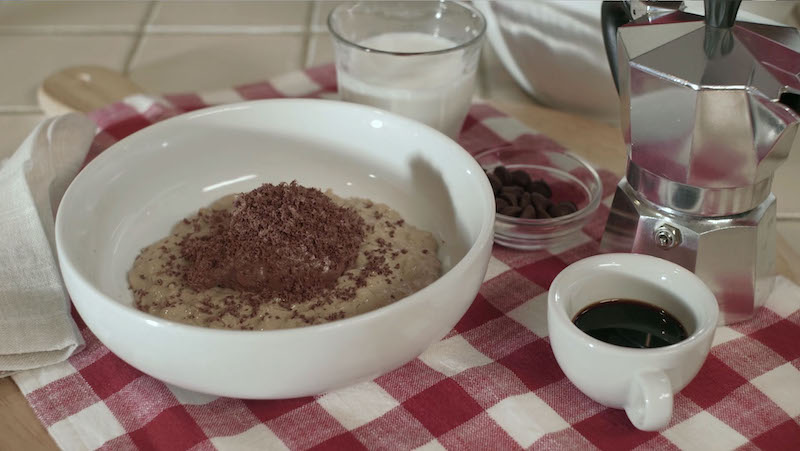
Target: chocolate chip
x,y
524,200
561,209
511,211
528,212
569,206
541,204
555,211
520,178
496,183
499,204
537,198
516,190
542,214
513,190
541,187
510,198
502,173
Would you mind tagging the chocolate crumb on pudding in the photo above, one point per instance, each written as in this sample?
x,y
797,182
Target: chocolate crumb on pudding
x,y
282,256
288,239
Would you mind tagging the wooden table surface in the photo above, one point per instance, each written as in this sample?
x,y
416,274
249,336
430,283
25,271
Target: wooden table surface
x,y
599,143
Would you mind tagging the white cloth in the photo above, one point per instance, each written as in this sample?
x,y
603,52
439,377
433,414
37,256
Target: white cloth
x,y
36,328
554,49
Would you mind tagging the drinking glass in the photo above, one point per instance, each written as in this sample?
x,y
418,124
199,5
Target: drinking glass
x,y
414,58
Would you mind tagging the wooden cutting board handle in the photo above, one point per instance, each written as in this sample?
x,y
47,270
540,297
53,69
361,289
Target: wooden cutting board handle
x,y
84,89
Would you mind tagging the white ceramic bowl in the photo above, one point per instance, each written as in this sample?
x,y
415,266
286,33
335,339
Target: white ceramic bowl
x,y
132,194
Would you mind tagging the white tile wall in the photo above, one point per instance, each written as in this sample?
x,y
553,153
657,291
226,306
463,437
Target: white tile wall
x,y
319,21
174,45
789,229
320,49
79,16
13,129
179,62
26,59
188,45
274,16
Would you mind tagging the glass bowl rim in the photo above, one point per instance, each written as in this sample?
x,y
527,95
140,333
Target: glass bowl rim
x,y
595,196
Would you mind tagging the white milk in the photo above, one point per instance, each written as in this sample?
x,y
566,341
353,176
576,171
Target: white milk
x,y
432,89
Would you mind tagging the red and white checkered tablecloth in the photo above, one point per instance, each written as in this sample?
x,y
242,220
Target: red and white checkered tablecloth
x,y
492,383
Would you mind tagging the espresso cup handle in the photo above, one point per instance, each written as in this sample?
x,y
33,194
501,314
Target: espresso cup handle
x,y
649,405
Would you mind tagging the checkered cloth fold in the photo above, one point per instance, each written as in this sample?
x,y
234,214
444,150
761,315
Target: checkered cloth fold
x,y
491,383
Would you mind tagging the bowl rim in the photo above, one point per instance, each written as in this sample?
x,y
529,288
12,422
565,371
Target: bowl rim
x,y
484,237
595,196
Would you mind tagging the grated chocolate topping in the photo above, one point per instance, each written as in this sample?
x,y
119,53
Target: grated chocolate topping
x,y
285,239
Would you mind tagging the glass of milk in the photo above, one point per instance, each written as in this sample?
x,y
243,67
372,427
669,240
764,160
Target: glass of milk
x,y
415,58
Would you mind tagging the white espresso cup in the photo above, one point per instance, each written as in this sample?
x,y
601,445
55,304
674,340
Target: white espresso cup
x,y
641,381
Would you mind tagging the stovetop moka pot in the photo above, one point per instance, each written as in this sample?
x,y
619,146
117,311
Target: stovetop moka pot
x,y
709,111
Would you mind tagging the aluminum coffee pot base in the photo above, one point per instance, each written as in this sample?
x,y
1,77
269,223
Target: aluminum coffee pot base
x,y
734,255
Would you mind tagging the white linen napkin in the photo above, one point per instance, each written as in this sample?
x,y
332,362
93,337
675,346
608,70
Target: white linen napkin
x,y
36,328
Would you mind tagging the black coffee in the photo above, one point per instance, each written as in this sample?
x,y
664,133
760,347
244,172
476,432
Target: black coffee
x,y
629,323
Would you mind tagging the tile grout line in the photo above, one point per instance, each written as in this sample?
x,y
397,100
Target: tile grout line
x,y
310,42
19,109
46,30
155,29
224,29
311,50
483,72
137,43
314,27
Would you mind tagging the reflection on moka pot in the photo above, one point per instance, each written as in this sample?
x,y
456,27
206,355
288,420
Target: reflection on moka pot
x,y
709,111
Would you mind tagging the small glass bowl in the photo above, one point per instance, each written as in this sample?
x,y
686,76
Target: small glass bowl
x,y
570,178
